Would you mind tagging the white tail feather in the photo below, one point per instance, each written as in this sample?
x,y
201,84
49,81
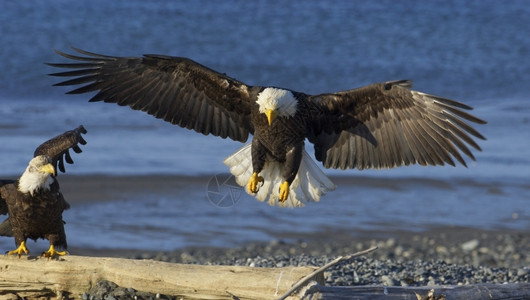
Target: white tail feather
x,y
308,186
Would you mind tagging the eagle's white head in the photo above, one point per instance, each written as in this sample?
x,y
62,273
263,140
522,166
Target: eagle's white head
x,y
275,102
37,175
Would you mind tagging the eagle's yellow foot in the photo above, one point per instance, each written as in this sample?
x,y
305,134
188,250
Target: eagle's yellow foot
x,y
253,182
52,252
284,191
21,249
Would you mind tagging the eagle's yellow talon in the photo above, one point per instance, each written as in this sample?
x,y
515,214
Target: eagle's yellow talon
x,y
284,191
253,182
21,249
52,252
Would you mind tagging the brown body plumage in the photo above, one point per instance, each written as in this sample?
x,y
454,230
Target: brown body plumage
x,y
42,219
34,202
382,125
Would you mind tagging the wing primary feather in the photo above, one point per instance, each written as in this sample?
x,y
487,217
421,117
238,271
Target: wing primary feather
x,y
464,126
465,115
91,56
61,165
462,148
86,89
83,69
79,80
67,157
448,102
101,56
460,135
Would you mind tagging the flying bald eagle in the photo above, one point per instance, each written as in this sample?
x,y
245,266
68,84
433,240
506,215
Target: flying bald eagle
x,y
34,202
382,125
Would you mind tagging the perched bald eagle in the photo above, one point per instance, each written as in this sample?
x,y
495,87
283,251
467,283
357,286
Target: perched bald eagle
x,y
382,125
34,202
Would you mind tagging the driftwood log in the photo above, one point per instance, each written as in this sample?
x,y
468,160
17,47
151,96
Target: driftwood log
x,y
71,276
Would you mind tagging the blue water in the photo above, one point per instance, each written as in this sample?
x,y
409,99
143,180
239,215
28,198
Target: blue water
x,y
473,51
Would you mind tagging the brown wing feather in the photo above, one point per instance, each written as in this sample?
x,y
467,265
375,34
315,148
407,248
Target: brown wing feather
x,y
4,194
387,125
7,191
58,147
175,89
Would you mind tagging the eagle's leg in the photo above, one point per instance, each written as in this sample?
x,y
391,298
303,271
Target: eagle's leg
x,y
293,158
21,249
284,191
52,252
253,182
259,154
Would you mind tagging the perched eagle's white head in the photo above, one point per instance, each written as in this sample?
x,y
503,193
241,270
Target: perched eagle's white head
x,y
276,102
37,175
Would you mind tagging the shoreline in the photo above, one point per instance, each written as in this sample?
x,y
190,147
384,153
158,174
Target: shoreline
x,y
81,188
454,245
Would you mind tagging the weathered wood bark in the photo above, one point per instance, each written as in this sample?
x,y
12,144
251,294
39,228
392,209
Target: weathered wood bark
x,y
469,292
73,275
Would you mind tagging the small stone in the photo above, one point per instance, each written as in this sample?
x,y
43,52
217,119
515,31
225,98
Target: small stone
x,y
431,282
441,249
470,245
483,250
523,271
386,280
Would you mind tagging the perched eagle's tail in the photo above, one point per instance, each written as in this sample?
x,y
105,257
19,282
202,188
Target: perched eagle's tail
x,y
308,186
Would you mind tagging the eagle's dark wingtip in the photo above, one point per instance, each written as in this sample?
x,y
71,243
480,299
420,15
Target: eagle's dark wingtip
x,y
88,56
92,54
81,129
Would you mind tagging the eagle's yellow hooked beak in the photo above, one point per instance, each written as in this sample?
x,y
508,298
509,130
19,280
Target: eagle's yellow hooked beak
x,y
271,115
47,168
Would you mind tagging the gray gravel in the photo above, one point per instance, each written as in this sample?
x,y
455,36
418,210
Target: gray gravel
x,y
438,257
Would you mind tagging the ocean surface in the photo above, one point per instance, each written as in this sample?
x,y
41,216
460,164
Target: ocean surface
x,y
476,52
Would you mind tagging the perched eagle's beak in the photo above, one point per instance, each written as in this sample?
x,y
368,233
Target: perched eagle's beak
x,y
271,115
47,168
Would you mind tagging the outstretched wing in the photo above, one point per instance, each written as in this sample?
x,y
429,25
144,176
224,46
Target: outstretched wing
x,y
387,125
175,89
58,147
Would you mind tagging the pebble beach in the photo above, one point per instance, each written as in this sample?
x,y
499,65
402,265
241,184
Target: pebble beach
x,y
443,256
